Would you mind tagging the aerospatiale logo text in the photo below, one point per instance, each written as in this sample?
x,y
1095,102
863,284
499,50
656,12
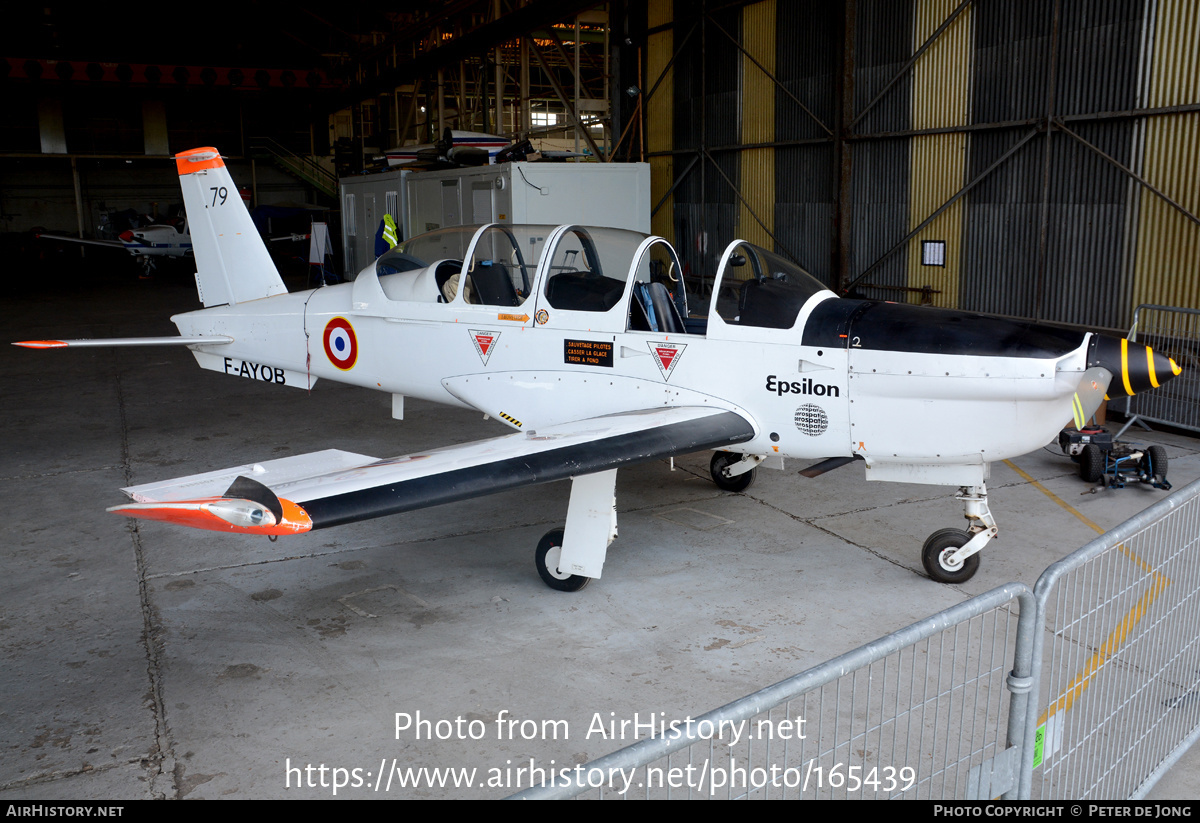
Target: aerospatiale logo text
x,y
805,386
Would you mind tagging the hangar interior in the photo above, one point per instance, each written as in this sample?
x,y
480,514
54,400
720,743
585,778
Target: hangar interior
x,y
1034,159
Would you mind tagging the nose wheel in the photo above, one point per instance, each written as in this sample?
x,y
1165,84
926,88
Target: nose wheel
x,y
952,555
938,557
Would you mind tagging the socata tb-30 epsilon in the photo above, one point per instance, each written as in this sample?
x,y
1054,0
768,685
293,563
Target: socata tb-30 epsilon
x,y
570,336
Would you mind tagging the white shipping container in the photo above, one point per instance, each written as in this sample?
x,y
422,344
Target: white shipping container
x,y
594,194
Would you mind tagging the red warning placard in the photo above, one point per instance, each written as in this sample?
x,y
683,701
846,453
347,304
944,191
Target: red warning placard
x,y
667,355
485,343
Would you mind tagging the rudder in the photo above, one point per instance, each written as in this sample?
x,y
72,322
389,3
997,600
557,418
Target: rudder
x,y
232,262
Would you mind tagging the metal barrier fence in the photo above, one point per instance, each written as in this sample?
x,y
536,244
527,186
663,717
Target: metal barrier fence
x,y
913,714
1119,656
948,708
1174,332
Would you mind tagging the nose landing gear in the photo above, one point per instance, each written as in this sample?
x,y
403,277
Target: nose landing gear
x,y
952,555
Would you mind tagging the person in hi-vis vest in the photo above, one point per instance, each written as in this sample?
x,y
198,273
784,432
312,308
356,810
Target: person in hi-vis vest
x,y
385,237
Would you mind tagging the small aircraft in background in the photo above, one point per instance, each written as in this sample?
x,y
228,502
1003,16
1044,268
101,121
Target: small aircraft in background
x,y
456,148
472,148
148,243
571,336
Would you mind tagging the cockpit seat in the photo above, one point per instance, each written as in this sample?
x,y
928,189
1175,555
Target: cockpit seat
x,y
583,291
654,308
764,302
493,285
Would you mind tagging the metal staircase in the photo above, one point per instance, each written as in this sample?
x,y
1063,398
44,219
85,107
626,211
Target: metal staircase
x,y
299,166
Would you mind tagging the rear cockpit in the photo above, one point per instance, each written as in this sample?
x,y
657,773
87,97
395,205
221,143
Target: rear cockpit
x,y
500,264
417,270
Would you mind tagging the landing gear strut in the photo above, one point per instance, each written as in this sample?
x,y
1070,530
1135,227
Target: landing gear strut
x,y
734,472
952,555
567,559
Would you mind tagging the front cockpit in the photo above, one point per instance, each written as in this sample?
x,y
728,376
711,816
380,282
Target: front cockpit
x,y
762,289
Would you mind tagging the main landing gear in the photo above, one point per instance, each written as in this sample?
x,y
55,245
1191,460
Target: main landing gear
x,y
567,559
549,553
734,472
952,555
148,267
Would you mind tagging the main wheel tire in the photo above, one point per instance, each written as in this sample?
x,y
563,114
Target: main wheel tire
x,y
721,461
1091,463
549,551
1154,462
940,545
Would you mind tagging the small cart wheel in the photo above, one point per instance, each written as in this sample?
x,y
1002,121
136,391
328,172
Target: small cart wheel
x,y
1091,463
1154,462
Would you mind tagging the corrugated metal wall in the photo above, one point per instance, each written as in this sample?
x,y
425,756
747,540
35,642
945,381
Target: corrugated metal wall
x,y
756,217
1039,140
660,119
941,98
805,113
879,183
1167,267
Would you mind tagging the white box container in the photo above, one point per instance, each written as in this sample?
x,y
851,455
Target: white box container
x,y
593,194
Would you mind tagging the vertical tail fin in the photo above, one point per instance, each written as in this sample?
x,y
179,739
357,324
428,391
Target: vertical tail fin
x,y
232,263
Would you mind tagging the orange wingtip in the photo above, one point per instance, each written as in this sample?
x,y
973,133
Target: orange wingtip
x,y
41,344
202,514
195,160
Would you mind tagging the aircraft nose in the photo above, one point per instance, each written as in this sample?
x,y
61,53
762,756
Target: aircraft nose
x,y
1134,368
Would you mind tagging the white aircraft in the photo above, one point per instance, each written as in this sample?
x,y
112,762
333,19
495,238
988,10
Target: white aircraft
x,y
470,148
146,244
570,336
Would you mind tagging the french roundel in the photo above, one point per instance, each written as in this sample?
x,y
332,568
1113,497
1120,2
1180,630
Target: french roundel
x,y
341,346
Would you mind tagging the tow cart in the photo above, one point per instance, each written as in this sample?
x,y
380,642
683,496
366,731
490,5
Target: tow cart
x,y
1101,457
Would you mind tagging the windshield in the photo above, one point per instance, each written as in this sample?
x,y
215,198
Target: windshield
x,y
589,268
503,262
450,243
761,288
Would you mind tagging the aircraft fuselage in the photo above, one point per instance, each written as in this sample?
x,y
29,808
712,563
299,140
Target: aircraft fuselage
x,y
914,391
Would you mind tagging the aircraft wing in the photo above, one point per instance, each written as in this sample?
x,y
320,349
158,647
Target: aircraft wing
x,y
112,244
314,491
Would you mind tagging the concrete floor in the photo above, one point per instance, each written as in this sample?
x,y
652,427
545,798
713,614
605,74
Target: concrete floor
x,y
144,661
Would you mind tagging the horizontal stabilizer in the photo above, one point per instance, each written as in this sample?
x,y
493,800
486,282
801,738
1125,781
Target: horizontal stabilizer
x,y
332,487
212,340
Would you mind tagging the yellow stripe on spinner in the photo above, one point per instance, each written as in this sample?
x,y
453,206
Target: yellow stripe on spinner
x,y
510,419
1150,367
1125,366
1174,367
